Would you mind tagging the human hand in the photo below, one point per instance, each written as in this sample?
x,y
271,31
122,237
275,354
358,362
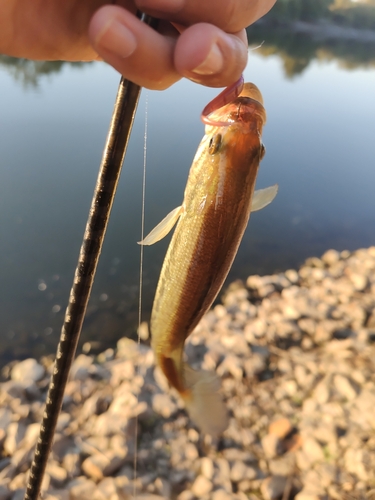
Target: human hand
x,y
203,40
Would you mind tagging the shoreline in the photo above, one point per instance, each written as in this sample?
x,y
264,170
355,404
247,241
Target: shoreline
x,y
322,30
295,353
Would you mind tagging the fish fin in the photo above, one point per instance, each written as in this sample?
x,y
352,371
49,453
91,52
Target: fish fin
x,y
203,401
263,197
163,228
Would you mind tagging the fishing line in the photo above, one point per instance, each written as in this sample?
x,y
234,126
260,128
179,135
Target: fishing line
x,y
141,279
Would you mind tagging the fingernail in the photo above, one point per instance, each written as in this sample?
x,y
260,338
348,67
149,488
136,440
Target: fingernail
x,y
212,64
117,38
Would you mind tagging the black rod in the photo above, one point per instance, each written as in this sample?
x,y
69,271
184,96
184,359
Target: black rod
x,y
104,193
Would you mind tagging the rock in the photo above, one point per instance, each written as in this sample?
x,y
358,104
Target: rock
x,y
280,428
201,486
164,487
359,281
186,495
271,445
306,494
18,494
330,257
82,489
143,331
15,433
5,493
100,465
292,276
57,474
296,363
312,450
238,471
28,370
207,467
322,391
283,466
191,452
273,487
231,366
357,462
5,418
221,495
163,405
344,387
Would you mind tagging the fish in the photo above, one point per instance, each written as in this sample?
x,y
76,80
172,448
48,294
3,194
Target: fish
x,y
211,221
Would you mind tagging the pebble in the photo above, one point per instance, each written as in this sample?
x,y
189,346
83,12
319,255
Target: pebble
x,y
271,445
201,486
163,405
295,352
207,467
273,487
28,370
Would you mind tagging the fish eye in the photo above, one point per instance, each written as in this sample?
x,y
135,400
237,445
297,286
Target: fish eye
x,y
215,143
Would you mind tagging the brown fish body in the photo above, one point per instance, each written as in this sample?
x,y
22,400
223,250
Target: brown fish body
x,y
213,218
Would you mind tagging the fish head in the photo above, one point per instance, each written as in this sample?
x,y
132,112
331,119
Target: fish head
x,y
237,126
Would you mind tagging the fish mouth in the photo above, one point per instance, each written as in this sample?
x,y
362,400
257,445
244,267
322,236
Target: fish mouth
x,y
242,110
237,103
251,90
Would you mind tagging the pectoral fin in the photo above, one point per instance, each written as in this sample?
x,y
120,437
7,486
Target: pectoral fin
x,y
163,228
263,197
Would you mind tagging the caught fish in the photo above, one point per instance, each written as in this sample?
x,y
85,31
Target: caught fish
x,y
219,197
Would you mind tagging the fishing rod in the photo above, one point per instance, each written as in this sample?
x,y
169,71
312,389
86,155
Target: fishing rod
x,y
104,193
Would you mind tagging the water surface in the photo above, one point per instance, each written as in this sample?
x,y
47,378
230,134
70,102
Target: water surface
x,y
320,150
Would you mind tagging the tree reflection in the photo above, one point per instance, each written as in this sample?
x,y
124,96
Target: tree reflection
x,y
296,42
28,72
297,49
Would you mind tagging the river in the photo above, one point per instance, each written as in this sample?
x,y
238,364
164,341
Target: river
x,y
320,149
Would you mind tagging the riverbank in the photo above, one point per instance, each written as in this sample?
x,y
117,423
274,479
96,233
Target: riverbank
x,y
321,30
296,354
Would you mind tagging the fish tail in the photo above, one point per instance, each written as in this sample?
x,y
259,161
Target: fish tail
x,y
203,401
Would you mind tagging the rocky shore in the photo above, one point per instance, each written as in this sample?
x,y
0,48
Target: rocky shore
x,y
296,355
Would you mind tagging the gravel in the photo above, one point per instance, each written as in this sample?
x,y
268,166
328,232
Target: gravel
x,y
295,352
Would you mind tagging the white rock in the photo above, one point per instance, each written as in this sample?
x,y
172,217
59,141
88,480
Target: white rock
x,y
344,387
238,471
82,489
207,467
313,450
15,434
221,495
191,452
330,257
306,494
163,405
201,486
271,445
321,391
28,370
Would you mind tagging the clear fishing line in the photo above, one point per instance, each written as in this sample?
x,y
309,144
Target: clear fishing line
x,y
141,279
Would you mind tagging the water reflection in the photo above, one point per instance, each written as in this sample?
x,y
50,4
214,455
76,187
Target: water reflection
x,y
29,72
320,150
298,50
